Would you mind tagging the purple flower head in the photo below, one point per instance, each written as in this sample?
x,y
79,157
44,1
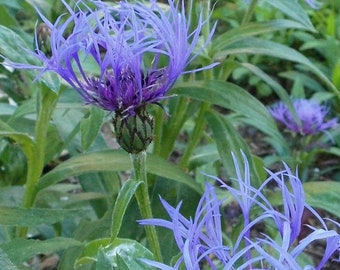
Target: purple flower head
x,y
119,57
310,113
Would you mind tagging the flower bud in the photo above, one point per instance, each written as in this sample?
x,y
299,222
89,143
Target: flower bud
x,y
44,39
134,133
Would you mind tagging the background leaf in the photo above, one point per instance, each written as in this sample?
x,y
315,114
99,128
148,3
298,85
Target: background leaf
x,y
20,250
5,262
233,97
14,216
293,9
324,195
90,126
113,160
260,46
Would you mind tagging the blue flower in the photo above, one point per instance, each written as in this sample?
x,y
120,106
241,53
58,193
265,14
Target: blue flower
x,y
119,57
309,113
200,240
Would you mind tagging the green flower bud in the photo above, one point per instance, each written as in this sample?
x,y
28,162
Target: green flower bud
x,y
44,39
134,133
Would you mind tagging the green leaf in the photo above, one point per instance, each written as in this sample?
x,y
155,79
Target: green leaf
x,y
324,195
15,216
90,127
5,262
15,49
103,262
51,80
336,74
253,29
129,252
270,48
20,250
107,183
279,90
6,18
11,4
203,155
12,46
228,140
235,98
113,160
23,139
124,197
292,9
107,160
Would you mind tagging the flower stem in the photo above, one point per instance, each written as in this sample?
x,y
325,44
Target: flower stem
x,y
47,101
143,200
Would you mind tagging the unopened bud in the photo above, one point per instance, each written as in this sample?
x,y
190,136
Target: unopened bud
x,y
44,39
134,133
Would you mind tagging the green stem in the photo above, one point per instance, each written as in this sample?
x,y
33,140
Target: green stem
x,y
143,200
47,101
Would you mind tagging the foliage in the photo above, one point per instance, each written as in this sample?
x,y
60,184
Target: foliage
x,y
64,181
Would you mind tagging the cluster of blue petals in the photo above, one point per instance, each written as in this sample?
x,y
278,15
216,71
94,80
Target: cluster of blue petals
x,y
200,239
120,57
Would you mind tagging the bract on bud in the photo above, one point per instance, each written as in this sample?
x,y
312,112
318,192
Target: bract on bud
x,y
134,133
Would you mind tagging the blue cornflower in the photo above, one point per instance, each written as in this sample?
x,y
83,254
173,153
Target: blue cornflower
x,y
310,113
118,57
200,240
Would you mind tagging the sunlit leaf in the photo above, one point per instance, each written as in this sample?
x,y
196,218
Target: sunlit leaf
x,y
129,252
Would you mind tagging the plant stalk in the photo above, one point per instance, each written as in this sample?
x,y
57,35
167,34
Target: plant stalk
x,y
143,200
46,102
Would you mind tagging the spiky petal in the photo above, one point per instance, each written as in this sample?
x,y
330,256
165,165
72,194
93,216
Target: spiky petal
x,y
119,57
